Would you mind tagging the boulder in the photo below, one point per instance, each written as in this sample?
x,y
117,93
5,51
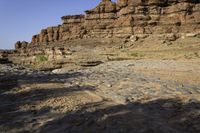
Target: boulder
x,y
133,38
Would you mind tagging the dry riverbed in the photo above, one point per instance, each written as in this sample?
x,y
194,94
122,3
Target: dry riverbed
x,y
143,96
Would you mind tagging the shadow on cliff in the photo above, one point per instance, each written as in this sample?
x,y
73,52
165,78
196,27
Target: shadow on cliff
x,y
159,116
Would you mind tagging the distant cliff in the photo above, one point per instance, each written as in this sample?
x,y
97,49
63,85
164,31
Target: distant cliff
x,y
123,19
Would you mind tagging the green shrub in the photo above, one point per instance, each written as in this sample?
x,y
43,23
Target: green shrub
x,y
41,58
136,54
197,55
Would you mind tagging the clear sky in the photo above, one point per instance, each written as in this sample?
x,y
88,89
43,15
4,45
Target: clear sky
x,y
20,19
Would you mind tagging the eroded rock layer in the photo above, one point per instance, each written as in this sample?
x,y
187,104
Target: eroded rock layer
x,y
123,19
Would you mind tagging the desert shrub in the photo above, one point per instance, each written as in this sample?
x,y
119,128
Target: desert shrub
x,y
41,58
136,54
197,55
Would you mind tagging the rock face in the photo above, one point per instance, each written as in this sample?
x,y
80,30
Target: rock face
x,y
124,19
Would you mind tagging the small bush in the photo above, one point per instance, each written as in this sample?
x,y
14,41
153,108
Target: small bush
x,y
135,54
41,58
197,55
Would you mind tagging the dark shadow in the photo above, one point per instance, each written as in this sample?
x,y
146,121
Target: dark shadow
x,y
40,78
8,81
159,116
11,116
7,85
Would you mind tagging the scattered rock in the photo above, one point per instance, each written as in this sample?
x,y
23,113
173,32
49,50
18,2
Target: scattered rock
x,y
133,38
109,85
168,105
191,35
57,71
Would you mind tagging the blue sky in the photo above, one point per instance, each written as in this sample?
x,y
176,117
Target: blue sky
x,y
20,19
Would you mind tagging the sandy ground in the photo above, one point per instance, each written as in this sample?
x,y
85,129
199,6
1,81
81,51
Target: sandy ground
x,y
141,96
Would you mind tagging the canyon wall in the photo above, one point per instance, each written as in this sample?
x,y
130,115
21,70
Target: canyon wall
x,y
123,19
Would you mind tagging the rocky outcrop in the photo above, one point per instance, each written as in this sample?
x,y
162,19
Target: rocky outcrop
x,y
124,19
4,56
98,21
21,45
6,53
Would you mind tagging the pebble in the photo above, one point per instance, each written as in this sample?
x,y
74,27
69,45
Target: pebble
x,y
109,85
68,85
168,105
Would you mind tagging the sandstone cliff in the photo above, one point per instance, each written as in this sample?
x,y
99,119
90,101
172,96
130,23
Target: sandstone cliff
x,y
123,19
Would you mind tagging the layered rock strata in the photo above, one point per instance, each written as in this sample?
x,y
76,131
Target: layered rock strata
x,y
123,19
